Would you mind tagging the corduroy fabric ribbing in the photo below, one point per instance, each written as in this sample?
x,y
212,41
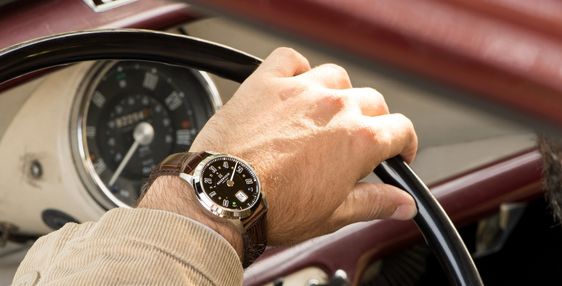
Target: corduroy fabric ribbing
x,y
132,247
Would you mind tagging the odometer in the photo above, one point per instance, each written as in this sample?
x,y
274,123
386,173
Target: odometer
x,y
130,117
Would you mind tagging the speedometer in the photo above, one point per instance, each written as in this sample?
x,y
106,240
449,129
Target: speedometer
x,y
129,116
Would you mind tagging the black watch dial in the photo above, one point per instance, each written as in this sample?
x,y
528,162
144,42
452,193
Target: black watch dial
x,y
230,183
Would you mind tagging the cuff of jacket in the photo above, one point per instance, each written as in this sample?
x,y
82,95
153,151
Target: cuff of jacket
x,y
194,244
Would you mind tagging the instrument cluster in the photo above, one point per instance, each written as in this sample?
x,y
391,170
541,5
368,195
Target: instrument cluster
x,y
128,116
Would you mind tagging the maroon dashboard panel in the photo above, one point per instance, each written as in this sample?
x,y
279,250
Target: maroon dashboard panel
x,y
504,52
465,198
25,20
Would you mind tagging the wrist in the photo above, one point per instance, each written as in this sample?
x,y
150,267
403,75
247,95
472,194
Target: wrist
x,y
172,194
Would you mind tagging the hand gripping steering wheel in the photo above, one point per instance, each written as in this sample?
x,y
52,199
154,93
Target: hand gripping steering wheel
x,y
435,225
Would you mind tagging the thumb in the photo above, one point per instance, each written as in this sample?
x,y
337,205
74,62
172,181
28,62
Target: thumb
x,y
369,201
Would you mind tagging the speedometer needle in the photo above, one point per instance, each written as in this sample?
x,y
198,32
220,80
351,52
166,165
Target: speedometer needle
x,y
143,134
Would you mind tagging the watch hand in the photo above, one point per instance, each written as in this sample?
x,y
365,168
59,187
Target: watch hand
x,y
143,134
233,170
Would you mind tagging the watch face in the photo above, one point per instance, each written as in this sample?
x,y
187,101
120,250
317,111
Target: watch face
x,y
230,183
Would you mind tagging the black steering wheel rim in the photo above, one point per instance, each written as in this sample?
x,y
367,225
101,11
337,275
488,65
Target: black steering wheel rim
x,y
21,59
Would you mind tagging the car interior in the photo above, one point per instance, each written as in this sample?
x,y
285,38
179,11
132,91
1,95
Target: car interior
x,y
65,130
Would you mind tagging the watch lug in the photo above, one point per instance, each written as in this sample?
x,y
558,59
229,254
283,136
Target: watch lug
x,y
187,178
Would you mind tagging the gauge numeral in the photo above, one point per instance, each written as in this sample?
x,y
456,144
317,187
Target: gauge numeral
x,y
150,81
225,164
207,181
249,181
99,166
213,169
98,99
91,131
183,137
239,169
225,203
173,101
212,194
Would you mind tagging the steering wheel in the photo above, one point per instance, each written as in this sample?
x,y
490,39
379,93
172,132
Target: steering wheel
x,y
436,227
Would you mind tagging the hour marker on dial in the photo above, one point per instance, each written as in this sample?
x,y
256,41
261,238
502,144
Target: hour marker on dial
x,y
249,181
225,203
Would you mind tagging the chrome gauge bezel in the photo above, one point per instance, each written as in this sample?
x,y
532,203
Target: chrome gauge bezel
x,y
80,151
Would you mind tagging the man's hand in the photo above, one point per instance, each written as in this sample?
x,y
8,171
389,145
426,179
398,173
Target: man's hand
x,y
311,137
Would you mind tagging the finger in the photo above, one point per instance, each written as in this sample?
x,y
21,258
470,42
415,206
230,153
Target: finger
x,y
328,75
387,136
369,101
369,201
285,62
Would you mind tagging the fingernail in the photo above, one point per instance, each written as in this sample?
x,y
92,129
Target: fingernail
x,y
404,212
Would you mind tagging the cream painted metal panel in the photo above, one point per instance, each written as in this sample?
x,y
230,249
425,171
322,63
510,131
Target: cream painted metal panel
x,y
40,131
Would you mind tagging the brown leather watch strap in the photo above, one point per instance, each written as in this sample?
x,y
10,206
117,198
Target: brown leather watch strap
x,y
175,164
255,237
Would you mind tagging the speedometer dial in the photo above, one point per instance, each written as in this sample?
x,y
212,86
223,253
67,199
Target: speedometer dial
x,y
132,115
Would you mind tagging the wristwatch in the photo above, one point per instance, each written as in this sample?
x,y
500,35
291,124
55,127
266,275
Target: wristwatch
x,y
227,187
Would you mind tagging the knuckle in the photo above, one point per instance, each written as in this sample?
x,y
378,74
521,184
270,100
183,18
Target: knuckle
x,y
369,137
407,123
366,134
373,93
290,54
335,68
340,73
377,98
334,101
284,51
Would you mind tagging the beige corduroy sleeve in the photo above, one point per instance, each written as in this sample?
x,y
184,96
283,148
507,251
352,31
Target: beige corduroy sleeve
x,y
132,247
